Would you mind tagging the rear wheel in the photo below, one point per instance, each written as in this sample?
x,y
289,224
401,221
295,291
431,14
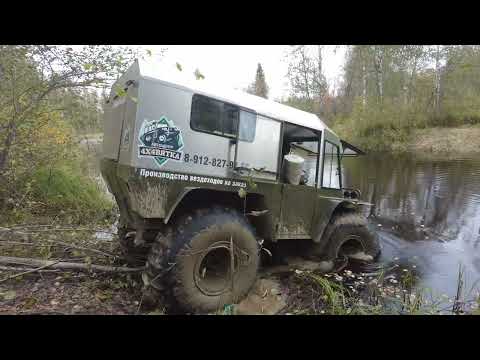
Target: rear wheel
x,y
194,265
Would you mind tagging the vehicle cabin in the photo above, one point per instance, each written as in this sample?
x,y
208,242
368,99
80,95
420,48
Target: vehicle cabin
x,y
169,127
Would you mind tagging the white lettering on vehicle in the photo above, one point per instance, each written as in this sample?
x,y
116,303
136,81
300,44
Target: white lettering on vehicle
x,y
192,178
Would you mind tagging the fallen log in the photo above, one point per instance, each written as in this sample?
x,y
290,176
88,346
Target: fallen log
x,y
53,242
63,265
31,229
18,268
29,271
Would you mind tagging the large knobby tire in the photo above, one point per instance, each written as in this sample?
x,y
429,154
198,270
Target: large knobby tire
x,y
351,238
192,265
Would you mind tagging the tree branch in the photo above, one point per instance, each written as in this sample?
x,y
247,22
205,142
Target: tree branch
x,y
63,265
29,271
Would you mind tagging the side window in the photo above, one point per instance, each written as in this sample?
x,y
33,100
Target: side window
x,y
214,116
303,142
219,118
308,150
248,126
331,167
263,152
206,115
230,120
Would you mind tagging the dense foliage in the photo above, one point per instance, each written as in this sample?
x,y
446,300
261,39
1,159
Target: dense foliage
x,y
387,91
49,95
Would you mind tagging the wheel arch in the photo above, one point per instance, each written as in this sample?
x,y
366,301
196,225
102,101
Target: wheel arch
x,y
328,209
343,208
331,210
196,198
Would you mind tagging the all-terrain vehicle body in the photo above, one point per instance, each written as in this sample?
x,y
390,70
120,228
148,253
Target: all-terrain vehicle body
x,y
205,176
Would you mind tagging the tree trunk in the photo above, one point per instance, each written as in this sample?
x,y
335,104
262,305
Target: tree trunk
x,y
11,132
12,126
436,99
320,60
411,85
305,73
322,90
364,84
378,62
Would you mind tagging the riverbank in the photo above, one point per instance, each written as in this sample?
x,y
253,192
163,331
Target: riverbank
x,y
463,140
448,142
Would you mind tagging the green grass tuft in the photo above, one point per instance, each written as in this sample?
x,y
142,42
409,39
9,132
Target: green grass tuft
x,y
66,192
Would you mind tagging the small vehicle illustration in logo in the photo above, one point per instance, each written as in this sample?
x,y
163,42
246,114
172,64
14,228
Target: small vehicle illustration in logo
x,y
163,137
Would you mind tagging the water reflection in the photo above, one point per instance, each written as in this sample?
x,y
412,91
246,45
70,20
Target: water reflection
x,y
427,213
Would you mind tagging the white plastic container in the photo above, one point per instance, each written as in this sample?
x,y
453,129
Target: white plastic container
x,y
293,168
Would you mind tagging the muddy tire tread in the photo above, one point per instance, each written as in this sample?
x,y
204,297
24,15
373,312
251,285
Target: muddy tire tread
x,y
160,268
344,224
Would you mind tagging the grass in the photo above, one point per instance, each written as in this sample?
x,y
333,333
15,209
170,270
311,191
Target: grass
x,y
397,128
353,294
64,192
461,140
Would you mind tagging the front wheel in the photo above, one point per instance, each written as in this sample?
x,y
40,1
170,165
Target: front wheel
x,y
351,238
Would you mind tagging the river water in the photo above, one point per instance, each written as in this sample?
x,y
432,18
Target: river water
x,y
427,215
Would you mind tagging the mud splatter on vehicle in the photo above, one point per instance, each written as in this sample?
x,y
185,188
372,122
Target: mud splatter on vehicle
x,y
204,178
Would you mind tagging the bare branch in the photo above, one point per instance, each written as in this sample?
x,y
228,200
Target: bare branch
x,y
66,265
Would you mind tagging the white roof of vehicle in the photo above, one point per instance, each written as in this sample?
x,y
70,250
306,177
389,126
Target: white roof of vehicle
x,y
273,109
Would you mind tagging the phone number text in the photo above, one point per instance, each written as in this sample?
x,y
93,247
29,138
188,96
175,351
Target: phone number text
x,y
205,160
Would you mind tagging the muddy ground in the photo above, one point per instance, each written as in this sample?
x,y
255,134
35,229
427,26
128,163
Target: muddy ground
x,y
65,292
288,283
72,292
106,294
277,290
68,293
77,293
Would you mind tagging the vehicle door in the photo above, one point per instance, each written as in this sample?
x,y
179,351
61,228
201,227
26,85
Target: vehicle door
x,y
298,201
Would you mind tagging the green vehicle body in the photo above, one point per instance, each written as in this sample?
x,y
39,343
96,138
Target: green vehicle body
x,y
152,191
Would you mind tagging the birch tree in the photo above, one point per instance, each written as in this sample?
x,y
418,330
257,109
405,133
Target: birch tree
x,y
436,96
305,74
378,59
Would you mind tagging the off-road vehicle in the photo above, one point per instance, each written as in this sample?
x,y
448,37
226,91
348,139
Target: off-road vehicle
x,y
205,176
